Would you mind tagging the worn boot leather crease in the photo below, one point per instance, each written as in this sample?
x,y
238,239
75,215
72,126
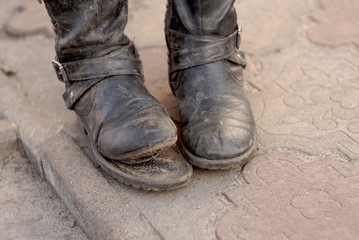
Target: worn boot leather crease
x,y
102,72
217,128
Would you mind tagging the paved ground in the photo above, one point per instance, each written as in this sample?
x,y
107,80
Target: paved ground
x,y
302,81
30,209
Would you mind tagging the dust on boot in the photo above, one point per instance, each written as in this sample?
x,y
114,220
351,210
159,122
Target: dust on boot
x,y
206,76
104,86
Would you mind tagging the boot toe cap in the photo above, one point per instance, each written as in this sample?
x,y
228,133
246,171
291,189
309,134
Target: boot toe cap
x,y
138,137
218,142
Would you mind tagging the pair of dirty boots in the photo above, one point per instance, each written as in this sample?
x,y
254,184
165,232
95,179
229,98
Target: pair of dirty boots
x,y
130,134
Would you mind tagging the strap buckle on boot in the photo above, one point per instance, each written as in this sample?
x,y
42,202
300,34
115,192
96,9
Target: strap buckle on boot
x,y
192,50
238,41
120,62
123,61
60,71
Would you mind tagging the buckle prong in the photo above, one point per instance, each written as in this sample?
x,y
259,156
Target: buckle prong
x,y
60,70
238,41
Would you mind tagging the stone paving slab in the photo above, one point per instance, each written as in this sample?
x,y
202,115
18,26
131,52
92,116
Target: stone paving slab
x,y
37,21
335,23
30,209
8,8
287,198
271,26
308,101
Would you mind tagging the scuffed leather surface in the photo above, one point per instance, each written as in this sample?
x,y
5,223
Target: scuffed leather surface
x,y
123,117
191,50
86,29
124,61
202,17
216,119
118,112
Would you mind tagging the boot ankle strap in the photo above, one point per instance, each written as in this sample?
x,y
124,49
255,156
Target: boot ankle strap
x,y
189,50
121,62
89,72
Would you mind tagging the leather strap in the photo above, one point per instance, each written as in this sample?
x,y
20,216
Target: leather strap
x,y
79,76
116,63
189,50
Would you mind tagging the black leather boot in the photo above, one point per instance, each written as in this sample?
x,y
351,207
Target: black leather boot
x,y
217,126
104,86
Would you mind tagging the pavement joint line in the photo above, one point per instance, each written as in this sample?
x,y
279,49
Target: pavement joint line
x,y
152,226
8,139
101,211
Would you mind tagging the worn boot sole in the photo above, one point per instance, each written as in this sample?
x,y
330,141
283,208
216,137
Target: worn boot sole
x,y
141,155
219,164
138,156
167,170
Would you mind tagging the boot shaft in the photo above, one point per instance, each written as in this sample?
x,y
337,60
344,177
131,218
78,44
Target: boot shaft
x,y
87,28
202,17
200,32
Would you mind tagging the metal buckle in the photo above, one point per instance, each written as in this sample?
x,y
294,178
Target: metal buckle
x,y
60,71
238,41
